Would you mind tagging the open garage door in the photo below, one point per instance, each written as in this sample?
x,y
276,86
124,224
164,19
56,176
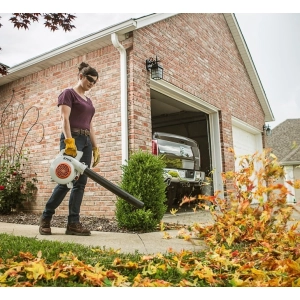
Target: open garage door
x,y
167,99
171,116
175,111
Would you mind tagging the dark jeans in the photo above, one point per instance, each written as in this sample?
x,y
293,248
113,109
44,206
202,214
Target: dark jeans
x,y
83,143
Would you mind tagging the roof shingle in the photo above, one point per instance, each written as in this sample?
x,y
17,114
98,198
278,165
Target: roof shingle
x,y
285,141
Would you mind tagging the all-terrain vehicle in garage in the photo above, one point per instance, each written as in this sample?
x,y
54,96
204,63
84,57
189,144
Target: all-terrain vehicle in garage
x,y
182,173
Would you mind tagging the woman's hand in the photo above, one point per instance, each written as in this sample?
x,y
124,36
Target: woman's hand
x,y
70,149
96,156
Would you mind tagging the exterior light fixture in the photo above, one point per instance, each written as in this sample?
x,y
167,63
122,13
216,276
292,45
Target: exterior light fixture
x,y
267,129
156,69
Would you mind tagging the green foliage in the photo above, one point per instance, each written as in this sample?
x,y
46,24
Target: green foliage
x,y
142,178
173,173
172,162
15,188
51,20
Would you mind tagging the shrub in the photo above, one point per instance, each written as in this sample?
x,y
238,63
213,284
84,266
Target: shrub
x,y
15,187
143,178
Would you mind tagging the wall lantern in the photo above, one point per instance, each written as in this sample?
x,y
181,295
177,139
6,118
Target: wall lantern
x,y
267,129
156,69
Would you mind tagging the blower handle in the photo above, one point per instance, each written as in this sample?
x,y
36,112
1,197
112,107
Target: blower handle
x,y
113,188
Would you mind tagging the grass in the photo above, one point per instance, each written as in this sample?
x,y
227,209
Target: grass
x,y
11,246
75,263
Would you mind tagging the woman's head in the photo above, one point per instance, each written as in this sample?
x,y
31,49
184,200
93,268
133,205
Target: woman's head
x,y
87,75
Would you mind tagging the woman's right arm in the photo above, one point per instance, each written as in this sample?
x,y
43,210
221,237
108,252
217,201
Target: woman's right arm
x,y
64,115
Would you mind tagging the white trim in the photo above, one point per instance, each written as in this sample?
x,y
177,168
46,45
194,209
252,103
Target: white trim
x,y
216,155
123,96
92,40
243,125
176,93
148,20
82,42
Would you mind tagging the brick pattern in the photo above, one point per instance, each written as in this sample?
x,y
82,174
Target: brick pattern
x,y
198,55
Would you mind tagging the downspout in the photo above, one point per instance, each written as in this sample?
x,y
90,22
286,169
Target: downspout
x,y
124,108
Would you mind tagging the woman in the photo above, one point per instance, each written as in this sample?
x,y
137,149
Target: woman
x,y
76,111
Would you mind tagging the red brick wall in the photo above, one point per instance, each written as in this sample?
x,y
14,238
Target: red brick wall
x,y
41,91
198,54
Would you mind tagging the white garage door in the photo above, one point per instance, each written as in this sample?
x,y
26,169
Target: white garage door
x,y
244,142
246,139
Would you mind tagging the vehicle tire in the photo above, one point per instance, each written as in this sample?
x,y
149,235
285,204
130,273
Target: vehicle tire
x,y
171,196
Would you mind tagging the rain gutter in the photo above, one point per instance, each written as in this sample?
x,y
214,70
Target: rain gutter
x,y
124,109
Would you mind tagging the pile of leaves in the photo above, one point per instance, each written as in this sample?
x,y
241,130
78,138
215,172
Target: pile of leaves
x,y
173,269
253,242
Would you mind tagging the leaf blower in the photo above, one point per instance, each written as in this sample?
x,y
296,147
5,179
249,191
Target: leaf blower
x,y
65,169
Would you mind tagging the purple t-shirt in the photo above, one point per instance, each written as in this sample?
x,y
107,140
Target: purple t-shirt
x,y
82,111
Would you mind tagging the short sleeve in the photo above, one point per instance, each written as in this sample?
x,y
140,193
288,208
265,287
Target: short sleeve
x,y
65,98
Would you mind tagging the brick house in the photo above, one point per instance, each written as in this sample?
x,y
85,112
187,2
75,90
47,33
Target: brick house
x,y
210,92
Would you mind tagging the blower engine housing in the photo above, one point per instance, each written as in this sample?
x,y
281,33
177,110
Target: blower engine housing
x,y
62,169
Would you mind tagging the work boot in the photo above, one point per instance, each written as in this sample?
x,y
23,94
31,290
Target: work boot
x,y
77,229
45,228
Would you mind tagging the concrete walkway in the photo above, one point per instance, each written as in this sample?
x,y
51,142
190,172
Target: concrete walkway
x,y
146,243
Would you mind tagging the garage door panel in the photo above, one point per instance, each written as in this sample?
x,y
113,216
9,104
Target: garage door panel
x,y
244,142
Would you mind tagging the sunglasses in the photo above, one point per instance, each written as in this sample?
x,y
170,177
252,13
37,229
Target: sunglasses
x,y
90,79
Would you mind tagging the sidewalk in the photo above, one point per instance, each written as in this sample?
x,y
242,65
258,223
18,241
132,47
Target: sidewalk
x,y
146,243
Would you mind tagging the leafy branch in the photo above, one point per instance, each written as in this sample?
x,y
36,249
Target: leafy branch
x,y
54,21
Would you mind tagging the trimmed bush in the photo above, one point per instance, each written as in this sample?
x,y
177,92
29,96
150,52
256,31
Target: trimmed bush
x,y
143,178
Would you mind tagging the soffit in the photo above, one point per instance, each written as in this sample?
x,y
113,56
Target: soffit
x,y
80,46
69,51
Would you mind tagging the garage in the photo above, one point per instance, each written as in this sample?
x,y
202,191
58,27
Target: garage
x,y
177,112
171,116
